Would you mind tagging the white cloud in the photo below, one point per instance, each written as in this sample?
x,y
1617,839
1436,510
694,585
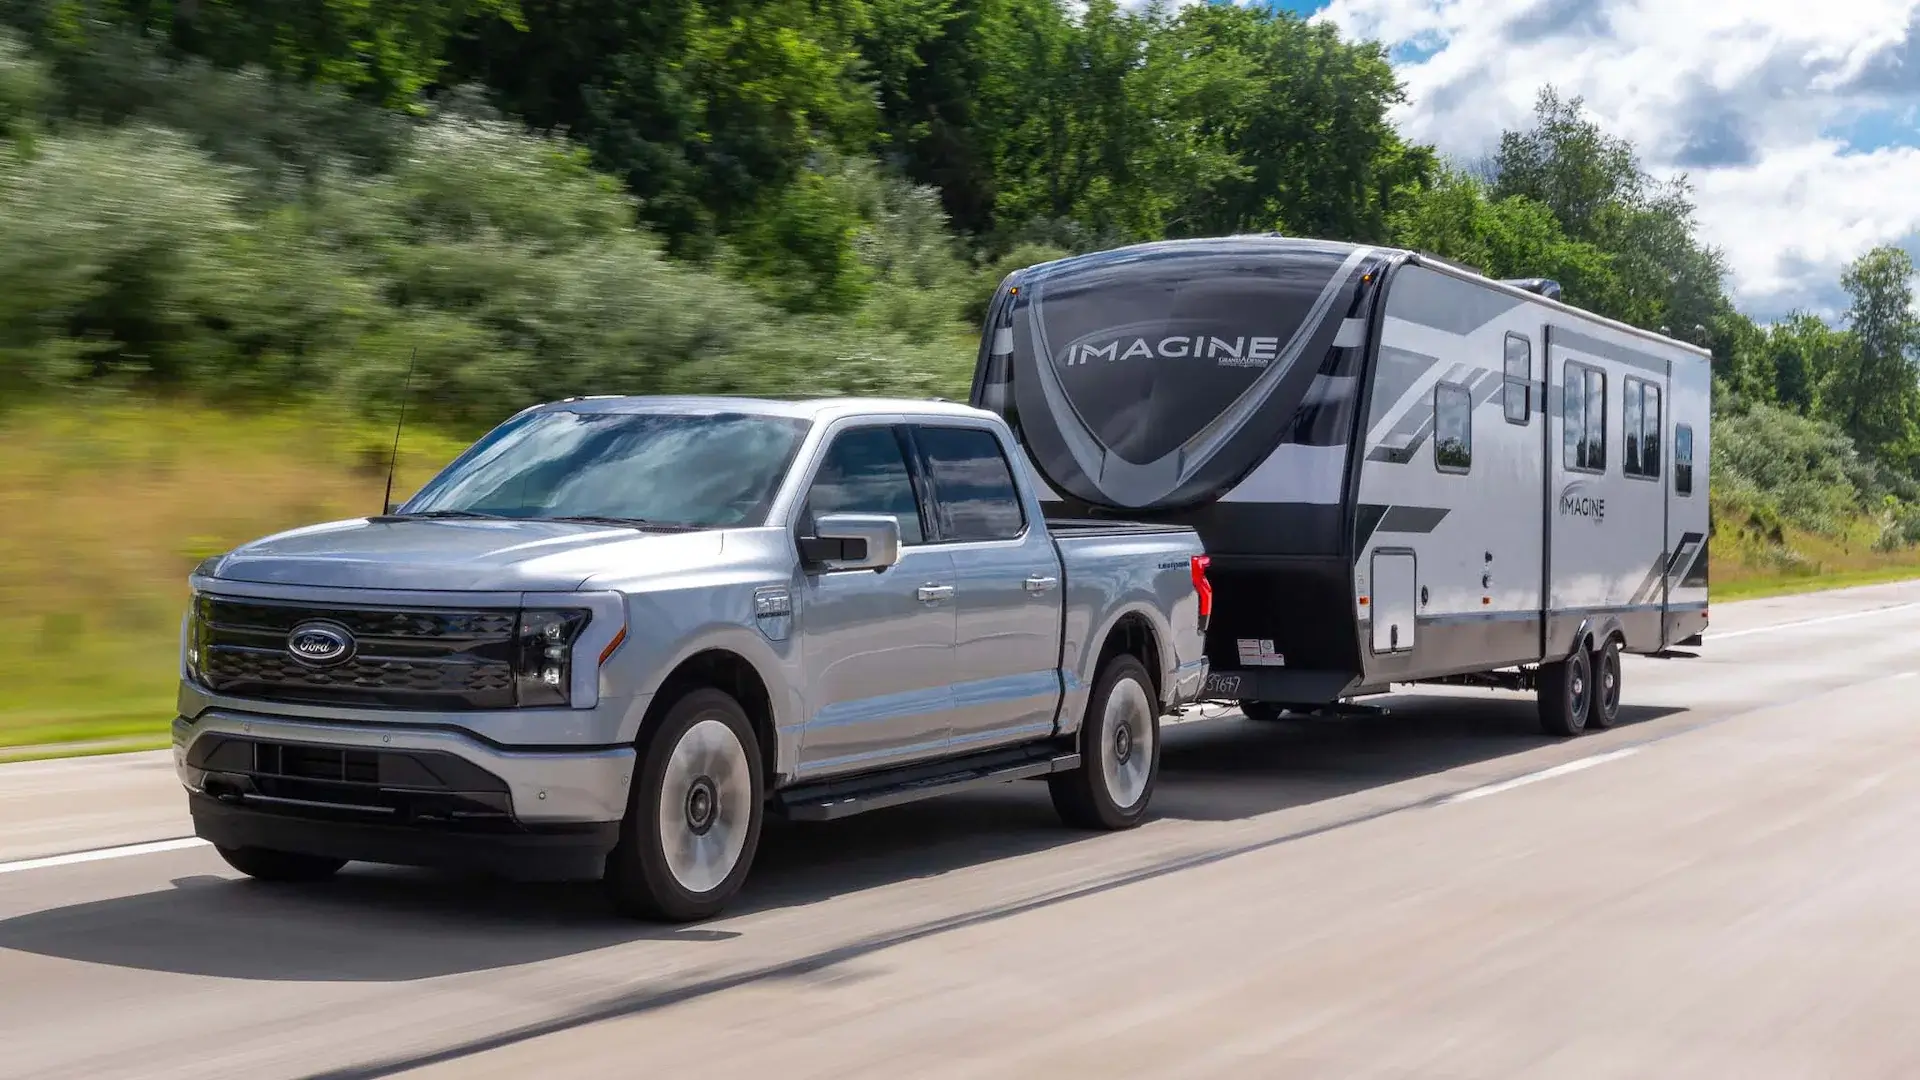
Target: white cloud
x,y
1748,98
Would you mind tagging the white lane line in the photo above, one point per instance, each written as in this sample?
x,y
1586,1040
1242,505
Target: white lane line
x,y
1711,636
1543,774
154,847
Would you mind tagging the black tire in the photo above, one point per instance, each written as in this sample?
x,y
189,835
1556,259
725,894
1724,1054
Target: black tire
x,y
1263,712
1603,710
703,757
264,864
1565,689
1091,796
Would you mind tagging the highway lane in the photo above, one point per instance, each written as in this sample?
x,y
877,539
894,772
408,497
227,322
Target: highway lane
x,y
1721,886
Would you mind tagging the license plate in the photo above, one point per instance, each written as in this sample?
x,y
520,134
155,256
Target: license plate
x,y
1222,686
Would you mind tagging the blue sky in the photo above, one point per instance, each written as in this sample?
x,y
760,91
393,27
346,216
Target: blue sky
x,y
1798,125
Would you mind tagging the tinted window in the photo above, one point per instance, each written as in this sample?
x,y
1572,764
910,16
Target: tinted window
x,y
972,484
1683,459
1519,379
1584,418
708,470
865,472
1452,428
1640,428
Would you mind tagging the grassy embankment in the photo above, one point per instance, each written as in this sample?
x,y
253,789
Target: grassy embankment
x,y
104,509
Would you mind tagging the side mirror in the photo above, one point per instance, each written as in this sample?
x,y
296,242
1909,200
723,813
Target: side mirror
x,y
852,542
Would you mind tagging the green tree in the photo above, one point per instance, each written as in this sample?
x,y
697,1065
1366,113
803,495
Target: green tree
x,y
1873,392
1802,352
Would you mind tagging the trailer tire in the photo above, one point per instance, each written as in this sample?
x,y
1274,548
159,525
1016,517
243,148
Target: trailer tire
x,y
266,864
1119,752
1264,712
1604,711
694,812
1565,694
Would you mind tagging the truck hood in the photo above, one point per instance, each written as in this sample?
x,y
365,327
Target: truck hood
x,y
460,555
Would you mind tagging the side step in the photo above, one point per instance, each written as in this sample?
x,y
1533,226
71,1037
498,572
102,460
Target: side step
x,y
856,795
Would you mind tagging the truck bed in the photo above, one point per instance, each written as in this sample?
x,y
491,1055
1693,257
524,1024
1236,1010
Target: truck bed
x,y
1077,528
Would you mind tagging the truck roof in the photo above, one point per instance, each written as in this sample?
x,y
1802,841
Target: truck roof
x,y
815,409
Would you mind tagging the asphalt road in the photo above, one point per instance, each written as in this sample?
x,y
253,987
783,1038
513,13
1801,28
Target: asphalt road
x,y
1727,885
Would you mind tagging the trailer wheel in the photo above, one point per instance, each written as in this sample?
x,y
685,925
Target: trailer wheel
x,y
1605,711
1119,752
693,814
1265,712
1565,691
265,864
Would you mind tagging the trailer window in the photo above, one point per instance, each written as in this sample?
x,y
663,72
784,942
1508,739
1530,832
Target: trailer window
x,y
1683,459
972,484
1640,428
1452,428
1584,418
1519,379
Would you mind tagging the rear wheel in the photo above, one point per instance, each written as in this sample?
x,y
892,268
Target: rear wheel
x,y
694,813
1119,752
267,865
1565,690
1605,710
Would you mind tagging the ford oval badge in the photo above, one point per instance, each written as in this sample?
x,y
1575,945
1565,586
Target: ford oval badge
x,y
320,644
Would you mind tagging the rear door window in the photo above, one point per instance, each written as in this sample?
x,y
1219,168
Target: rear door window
x,y
973,487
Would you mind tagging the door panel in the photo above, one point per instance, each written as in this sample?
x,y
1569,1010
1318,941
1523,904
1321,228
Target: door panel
x,y
877,648
1396,600
1009,591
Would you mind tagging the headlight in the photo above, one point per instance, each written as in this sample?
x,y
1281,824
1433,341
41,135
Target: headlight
x,y
194,638
543,655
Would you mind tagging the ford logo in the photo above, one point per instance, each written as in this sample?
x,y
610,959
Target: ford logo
x,y
319,644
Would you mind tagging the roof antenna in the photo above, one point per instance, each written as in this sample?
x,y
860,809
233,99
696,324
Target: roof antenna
x,y
393,460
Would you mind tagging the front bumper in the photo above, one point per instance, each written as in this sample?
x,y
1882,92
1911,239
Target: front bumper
x,y
411,796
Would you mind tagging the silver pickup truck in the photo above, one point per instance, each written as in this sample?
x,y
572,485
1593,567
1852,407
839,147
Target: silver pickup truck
x,y
613,634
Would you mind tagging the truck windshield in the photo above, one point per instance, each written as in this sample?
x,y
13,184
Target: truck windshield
x,y
705,470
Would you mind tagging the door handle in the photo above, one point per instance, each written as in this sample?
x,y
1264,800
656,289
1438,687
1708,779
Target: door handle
x,y
1038,584
931,593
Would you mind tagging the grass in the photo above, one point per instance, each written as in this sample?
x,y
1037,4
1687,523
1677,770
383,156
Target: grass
x,y
1756,555
105,505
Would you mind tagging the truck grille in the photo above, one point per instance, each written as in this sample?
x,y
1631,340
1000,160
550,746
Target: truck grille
x,y
401,657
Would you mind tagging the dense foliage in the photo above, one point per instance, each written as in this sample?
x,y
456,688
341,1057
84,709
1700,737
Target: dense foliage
x,y
522,199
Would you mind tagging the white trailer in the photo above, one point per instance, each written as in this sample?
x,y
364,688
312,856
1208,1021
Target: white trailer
x,y
1403,471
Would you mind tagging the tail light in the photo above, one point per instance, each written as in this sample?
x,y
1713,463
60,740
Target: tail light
x,y
1203,588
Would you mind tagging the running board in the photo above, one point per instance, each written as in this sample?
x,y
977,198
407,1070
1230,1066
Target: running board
x,y
857,795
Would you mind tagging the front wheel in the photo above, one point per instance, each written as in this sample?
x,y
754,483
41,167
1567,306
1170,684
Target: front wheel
x,y
694,813
1119,752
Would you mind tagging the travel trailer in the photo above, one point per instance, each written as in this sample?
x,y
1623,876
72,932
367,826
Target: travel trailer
x,y
1403,471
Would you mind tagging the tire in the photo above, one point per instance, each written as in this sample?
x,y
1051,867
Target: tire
x,y
1263,712
1603,710
264,864
1565,690
693,814
1119,752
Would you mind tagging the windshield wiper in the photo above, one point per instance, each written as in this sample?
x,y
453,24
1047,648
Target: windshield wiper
x,y
628,522
458,514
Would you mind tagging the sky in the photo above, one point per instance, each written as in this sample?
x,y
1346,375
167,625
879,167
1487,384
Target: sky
x,y
1797,123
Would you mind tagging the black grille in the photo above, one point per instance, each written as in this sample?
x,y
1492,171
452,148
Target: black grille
x,y
420,787
403,657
